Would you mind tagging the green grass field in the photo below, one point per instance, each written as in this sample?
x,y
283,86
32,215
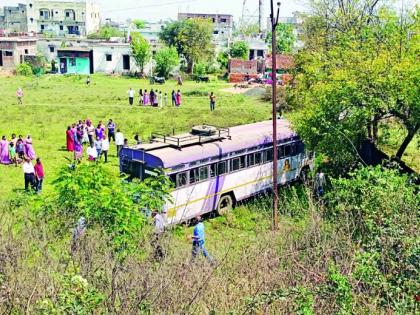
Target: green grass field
x,y
51,103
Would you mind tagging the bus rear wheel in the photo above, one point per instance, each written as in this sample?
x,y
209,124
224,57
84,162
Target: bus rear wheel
x,y
225,204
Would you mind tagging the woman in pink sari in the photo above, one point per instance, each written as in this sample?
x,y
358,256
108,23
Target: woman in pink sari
x,y
29,150
4,151
178,98
70,139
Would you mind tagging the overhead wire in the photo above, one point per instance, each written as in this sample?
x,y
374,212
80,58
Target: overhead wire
x,y
152,5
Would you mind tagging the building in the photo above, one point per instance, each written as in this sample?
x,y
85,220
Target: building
x,y
222,27
295,22
15,50
102,56
60,18
14,18
150,32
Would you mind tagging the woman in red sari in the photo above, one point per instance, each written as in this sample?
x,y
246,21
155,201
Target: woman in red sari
x,y
70,139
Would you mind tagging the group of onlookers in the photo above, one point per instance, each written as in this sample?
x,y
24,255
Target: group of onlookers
x,y
97,138
154,98
20,151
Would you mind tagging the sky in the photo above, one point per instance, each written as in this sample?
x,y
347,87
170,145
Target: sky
x,y
155,10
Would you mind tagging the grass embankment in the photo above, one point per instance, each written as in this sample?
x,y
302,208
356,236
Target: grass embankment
x,y
51,103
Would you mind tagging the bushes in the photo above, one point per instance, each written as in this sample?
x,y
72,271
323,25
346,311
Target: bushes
x,y
24,69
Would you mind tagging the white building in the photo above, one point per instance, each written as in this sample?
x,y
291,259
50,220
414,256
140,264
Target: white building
x,y
63,17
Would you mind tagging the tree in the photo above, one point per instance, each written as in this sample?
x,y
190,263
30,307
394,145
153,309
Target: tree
x,y
106,32
240,50
166,59
285,38
139,24
141,50
357,68
250,29
192,39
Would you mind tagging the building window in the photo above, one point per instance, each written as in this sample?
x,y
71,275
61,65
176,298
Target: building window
x,y
32,20
52,49
61,27
216,32
8,53
72,62
108,57
223,20
214,20
26,51
42,27
67,14
30,5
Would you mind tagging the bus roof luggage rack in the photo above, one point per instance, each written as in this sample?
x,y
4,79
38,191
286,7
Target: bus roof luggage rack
x,y
198,135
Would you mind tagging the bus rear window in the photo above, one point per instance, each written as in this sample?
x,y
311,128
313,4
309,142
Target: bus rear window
x,y
181,179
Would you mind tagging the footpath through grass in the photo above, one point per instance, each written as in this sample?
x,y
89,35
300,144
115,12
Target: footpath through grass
x,y
51,103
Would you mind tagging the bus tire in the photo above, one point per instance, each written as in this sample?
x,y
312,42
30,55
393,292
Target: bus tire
x,y
226,204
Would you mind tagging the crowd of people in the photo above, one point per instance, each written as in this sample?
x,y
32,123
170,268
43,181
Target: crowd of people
x,y
97,138
154,98
18,150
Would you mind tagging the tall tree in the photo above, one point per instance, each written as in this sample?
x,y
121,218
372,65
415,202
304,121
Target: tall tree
x,y
166,59
140,49
192,39
239,49
286,39
357,68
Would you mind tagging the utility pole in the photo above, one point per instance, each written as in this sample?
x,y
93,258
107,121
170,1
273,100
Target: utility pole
x,y
260,16
274,23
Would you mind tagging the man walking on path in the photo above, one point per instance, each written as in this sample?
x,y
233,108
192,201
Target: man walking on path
x,y
198,240
130,93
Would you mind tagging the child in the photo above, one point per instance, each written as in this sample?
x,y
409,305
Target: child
x,y
12,154
20,148
105,148
98,146
39,175
92,153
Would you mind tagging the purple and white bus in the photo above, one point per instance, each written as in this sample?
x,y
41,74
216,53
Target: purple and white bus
x,y
214,168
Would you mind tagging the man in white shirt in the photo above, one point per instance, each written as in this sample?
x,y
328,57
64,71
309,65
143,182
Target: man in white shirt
x,y
130,93
119,141
105,148
29,174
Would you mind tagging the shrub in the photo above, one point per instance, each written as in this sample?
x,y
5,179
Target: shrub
x,y
24,69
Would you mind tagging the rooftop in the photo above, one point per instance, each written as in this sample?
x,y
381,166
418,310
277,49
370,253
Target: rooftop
x,y
18,39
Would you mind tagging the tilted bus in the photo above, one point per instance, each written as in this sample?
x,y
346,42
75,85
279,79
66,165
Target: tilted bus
x,y
214,168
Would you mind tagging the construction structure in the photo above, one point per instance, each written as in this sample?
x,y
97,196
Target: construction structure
x,y
15,50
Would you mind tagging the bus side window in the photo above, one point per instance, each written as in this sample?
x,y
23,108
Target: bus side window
x,y
268,155
300,148
251,159
280,152
221,168
242,161
287,150
181,179
258,158
194,176
235,164
204,173
213,170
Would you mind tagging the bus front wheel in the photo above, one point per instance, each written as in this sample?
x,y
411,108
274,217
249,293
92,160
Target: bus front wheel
x,y
225,204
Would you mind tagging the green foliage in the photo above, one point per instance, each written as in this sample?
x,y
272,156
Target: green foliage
x,y
350,80
106,32
90,191
240,50
200,69
223,60
140,49
76,297
24,69
285,38
166,59
339,285
139,24
380,207
245,29
192,38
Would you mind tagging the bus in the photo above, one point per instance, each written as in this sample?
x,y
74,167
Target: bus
x,y
213,168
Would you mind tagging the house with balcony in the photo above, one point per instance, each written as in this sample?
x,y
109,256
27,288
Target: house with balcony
x,y
63,18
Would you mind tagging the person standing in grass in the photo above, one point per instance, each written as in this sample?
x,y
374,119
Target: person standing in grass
x,y
105,148
39,175
212,101
29,174
152,97
12,153
198,240
178,98
19,96
165,99
29,149
137,139
88,80
145,98
130,93
111,130
99,132
20,148
14,139
141,96
98,147
90,131
119,141
160,99
173,98
4,151
70,139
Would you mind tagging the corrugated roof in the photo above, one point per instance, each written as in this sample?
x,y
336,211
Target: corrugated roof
x,y
242,137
